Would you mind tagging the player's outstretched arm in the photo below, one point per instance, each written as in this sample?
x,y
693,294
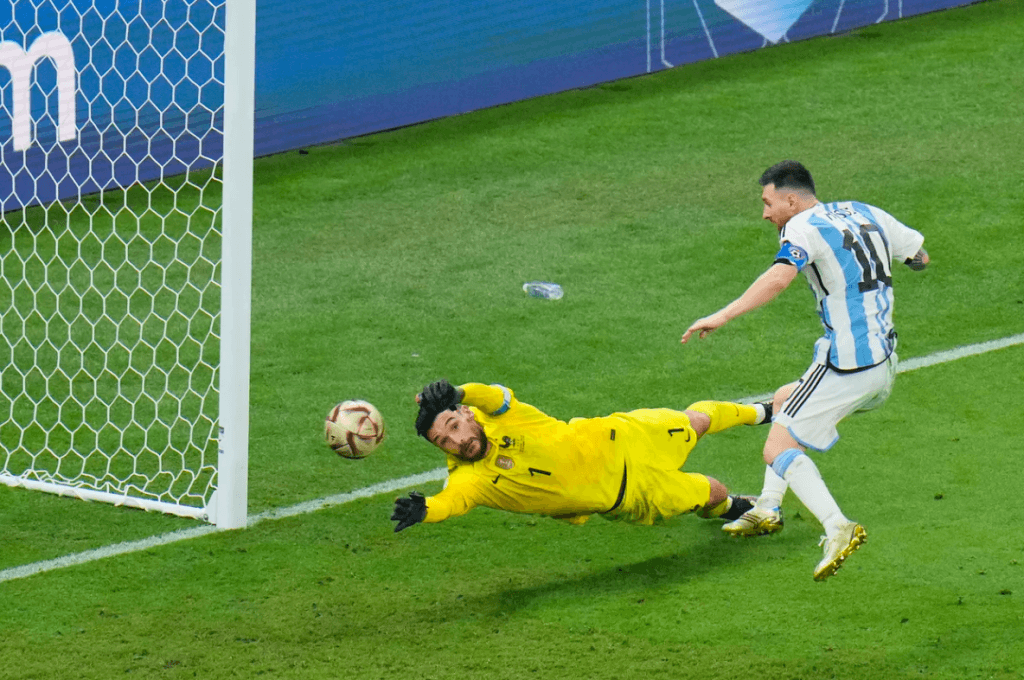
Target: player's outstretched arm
x,y
705,325
409,511
918,261
765,289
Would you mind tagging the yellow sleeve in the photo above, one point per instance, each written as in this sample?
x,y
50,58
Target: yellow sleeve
x,y
456,499
491,399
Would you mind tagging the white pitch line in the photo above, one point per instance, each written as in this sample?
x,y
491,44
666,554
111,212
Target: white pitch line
x,y
391,485
194,532
106,551
959,353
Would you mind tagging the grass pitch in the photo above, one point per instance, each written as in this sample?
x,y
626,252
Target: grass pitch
x,y
389,261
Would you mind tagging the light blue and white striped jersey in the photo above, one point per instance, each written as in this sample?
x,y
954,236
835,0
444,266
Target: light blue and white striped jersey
x,y
845,249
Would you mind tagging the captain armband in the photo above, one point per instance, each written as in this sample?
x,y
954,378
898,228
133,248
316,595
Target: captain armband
x,y
506,402
791,254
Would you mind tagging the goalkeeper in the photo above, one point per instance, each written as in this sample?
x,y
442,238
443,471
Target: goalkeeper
x,y
508,455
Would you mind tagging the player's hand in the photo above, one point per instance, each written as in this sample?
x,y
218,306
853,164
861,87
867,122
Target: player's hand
x,y
705,326
918,261
440,395
409,511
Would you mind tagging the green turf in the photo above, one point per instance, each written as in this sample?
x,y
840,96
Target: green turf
x,y
392,260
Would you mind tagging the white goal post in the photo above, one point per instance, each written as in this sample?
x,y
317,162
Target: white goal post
x,y
126,144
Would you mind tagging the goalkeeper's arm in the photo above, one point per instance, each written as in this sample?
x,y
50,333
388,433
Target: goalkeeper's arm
x,y
455,500
441,395
494,400
409,511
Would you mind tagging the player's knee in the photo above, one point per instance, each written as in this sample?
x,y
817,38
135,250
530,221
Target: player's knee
x,y
779,440
699,421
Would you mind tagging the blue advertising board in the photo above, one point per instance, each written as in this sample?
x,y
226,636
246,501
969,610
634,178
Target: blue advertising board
x,y
148,76
100,94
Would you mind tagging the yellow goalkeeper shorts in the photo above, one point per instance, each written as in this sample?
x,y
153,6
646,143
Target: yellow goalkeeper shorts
x,y
656,444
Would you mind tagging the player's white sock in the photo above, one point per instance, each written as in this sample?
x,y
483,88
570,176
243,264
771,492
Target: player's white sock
x,y
773,490
803,477
760,411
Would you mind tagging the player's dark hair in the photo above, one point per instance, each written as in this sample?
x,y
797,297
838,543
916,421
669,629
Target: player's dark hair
x,y
789,175
438,396
428,413
424,419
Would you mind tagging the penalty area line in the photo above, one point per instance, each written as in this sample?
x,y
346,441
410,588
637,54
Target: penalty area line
x,y
391,485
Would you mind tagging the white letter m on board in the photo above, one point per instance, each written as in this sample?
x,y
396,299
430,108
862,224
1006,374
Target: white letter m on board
x,y
20,63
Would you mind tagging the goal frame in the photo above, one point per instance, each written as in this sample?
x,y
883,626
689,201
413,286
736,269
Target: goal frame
x,y
229,501
227,505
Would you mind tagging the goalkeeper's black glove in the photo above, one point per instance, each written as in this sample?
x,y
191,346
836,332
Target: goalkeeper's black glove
x,y
409,511
440,396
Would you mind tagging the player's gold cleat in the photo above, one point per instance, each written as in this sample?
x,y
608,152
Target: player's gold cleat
x,y
850,537
756,522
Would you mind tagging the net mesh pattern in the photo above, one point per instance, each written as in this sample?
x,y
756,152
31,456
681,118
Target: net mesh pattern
x,y
110,245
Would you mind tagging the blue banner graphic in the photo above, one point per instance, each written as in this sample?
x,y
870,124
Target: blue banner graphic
x,y
100,94
148,76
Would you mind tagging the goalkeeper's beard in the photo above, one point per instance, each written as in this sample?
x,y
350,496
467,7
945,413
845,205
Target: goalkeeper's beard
x,y
467,448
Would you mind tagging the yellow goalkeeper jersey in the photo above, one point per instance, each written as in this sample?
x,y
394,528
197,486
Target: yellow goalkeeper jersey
x,y
535,464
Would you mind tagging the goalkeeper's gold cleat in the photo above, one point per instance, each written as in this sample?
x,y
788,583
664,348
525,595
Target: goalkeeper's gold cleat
x,y
756,522
850,537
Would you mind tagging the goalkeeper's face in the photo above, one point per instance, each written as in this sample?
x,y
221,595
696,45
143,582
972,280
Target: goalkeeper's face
x,y
457,432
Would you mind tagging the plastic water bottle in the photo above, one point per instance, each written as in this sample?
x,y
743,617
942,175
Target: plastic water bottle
x,y
543,289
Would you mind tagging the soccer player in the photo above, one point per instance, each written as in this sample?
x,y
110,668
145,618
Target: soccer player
x,y
508,455
845,250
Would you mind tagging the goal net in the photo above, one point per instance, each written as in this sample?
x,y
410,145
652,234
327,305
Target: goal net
x,y
121,193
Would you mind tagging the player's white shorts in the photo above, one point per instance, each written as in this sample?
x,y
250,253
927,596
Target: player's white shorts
x,y
823,397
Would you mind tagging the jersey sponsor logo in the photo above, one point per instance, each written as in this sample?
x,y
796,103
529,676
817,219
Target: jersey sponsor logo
x,y
504,462
506,442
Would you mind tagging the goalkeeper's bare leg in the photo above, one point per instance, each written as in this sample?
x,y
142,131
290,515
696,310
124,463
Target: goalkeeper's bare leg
x,y
723,505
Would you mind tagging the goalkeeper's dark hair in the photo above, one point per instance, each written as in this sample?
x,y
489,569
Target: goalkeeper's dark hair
x,y
438,396
789,175
425,418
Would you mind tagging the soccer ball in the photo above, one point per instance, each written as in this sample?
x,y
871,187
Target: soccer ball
x,y
354,428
